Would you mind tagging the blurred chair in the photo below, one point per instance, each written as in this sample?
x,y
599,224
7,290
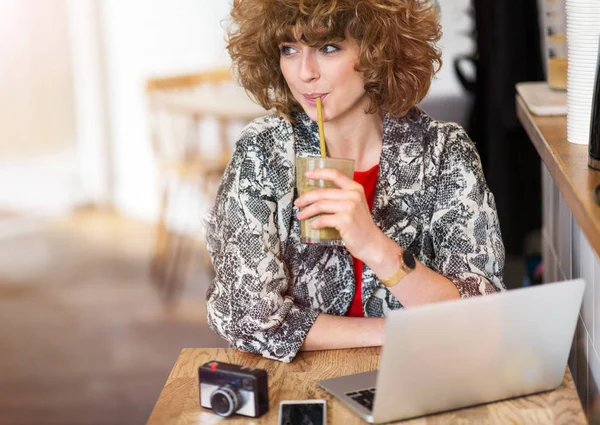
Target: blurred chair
x,y
181,108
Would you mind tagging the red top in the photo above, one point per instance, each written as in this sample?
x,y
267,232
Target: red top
x,y
369,180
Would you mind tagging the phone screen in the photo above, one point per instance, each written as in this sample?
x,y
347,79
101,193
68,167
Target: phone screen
x,y
302,414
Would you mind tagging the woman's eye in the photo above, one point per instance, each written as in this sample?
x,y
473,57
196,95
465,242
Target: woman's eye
x,y
286,50
329,48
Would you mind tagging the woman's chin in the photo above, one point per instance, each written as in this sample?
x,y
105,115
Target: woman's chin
x,y
311,112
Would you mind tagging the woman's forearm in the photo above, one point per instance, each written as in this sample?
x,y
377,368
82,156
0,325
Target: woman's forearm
x,y
424,286
336,332
420,286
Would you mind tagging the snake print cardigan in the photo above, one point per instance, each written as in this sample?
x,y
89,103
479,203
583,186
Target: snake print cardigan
x,y
431,198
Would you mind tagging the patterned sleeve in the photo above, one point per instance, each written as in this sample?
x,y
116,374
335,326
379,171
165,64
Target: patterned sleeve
x,y
466,232
247,302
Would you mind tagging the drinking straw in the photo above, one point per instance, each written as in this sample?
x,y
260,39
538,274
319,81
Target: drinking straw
x,y
321,129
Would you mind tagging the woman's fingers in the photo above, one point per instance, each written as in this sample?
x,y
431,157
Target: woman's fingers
x,y
344,208
325,207
348,188
329,194
340,221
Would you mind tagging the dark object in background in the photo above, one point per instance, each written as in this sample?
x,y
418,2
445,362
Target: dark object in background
x,y
227,389
508,52
534,270
594,159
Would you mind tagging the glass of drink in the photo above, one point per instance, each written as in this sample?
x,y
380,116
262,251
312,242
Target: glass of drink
x,y
326,236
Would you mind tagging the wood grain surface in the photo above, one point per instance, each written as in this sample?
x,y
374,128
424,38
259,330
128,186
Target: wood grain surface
x,y
567,164
179,404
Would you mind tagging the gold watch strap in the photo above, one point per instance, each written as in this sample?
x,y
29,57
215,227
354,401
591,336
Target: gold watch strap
x,y
400,273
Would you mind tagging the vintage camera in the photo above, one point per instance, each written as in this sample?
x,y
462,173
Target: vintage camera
x,y
227,389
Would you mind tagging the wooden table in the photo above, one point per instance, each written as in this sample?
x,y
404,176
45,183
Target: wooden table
x,y
178,403
567,164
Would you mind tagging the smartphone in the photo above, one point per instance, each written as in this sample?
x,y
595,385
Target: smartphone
x,y
303,412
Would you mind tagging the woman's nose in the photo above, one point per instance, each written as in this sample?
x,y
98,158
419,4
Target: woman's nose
x,y
309,68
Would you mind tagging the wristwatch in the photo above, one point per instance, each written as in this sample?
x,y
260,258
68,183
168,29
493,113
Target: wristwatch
x,y
407,265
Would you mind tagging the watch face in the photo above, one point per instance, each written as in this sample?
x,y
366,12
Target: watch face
x,y
409,259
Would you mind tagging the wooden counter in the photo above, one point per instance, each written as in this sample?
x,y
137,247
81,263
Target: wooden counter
x,y
179,404
567,164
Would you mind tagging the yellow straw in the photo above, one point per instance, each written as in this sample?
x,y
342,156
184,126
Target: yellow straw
x,y
321,129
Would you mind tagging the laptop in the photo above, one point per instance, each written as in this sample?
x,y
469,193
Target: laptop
x,y
461,353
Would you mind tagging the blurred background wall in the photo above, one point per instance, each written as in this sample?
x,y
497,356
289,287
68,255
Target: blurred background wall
x,y
37,117
144,39
35,77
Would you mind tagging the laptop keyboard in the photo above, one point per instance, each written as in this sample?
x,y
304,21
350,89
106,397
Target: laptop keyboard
x,y
363,397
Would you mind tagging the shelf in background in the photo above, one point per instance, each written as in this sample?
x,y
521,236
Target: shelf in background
x,y
567,163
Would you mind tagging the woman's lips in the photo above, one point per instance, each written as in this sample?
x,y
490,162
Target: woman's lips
x,y
311,99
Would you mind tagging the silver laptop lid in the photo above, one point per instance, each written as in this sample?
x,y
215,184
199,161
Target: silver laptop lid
x,y
460,353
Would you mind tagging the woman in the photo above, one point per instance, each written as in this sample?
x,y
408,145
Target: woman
x,y
418,221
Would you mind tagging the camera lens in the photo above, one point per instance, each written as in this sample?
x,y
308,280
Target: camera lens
x,y
225,401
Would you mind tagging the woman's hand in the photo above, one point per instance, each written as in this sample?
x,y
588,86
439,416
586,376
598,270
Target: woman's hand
x,y
345,209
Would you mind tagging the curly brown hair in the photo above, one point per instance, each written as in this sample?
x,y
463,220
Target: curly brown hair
x,y
397,39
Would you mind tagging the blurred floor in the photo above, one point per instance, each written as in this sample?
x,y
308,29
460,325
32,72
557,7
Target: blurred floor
x,y
84,338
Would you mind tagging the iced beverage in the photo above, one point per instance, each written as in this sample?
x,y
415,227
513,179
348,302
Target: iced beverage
x,y
326,236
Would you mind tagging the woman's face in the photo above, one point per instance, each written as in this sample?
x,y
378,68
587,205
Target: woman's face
x,y
329,72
